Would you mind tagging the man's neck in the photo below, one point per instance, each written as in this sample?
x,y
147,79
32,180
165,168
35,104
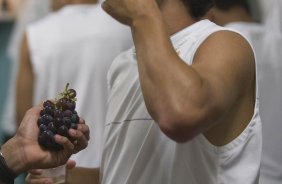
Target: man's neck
x,y
176,16
236,14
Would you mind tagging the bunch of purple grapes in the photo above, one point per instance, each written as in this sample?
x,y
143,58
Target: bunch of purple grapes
x,y
57,118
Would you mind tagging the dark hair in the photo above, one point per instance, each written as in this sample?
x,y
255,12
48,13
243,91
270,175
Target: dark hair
x,y
198,8
227,4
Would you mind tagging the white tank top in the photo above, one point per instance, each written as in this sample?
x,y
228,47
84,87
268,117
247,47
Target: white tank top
x,y
137,152
76,45
269,68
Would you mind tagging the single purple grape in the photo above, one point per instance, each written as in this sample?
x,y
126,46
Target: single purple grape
x,y
67,122
71,93
52,127
58,122
42,128
42,139
49,110
70,105
48,103
67,113
63,131
47,118
62,103
42,112
75,118
44,136
50,135
40,121
73,126
58,113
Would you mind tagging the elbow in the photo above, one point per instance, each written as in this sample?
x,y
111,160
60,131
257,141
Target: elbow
x,y
177,135
181,126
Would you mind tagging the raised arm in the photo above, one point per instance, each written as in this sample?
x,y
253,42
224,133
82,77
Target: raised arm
x,y
187,100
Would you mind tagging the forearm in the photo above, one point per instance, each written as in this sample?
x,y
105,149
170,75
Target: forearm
x,y
25,81
168,84
24,96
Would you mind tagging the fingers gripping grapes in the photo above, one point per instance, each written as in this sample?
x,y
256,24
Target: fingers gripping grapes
x,y
81,140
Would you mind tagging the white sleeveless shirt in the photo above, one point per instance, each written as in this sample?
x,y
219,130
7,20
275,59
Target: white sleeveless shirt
x,y
268,51
137,152
269,68
77,45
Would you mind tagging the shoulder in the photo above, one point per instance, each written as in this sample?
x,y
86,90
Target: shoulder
x,y
227,57
42,26
48,19
46,32
228,39
229,47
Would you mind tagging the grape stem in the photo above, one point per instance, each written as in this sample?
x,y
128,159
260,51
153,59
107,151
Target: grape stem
x,y
67,86
66,94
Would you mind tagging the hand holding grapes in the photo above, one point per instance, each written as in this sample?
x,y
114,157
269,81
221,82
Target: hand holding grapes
x,y
23,151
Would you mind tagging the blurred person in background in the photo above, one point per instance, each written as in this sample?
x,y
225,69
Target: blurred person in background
x,y
75,44
236,14
27,12
8,12
30,11
270,87
6,25
267,42
10,7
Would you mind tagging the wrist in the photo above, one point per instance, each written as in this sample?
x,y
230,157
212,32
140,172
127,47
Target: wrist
x,y
149,32
149,15
7,175
13,155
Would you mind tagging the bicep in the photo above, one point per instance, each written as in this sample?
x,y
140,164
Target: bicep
x,y
225,62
